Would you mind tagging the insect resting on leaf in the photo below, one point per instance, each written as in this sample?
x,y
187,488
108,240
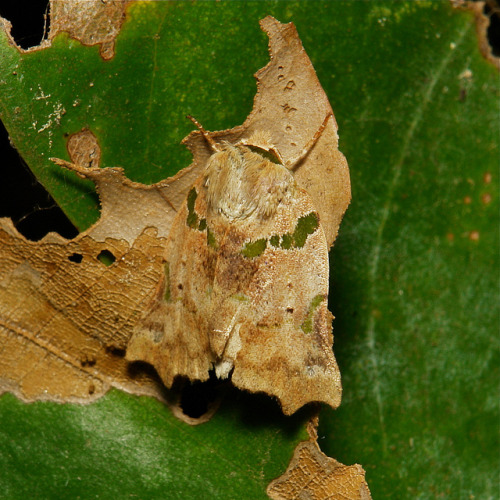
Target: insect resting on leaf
x,y
245,282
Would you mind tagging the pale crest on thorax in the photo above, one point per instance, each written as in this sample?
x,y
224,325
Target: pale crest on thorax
x,y
242,183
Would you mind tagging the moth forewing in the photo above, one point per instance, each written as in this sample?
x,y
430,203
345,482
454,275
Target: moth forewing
x,y
294,349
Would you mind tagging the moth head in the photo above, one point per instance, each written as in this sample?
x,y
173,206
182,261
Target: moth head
x,y
245,180
243,183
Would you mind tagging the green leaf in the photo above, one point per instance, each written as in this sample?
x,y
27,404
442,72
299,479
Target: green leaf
x,y
133,447
414,283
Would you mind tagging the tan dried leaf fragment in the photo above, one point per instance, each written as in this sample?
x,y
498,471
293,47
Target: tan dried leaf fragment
x,y
288,109
83,149
92,22
65,316
313,475
245,286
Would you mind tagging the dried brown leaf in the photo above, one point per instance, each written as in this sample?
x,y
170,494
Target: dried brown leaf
x,y
91,22
313,475
83,149
127,207
65,316
289,108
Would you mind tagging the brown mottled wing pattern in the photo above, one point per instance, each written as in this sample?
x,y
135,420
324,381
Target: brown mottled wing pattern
x,y
248,297
173,335
275,304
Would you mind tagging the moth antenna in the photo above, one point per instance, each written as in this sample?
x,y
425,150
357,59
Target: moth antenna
x,y
293,162
204,133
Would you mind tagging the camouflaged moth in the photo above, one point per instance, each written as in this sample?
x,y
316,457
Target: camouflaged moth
x,y
245,283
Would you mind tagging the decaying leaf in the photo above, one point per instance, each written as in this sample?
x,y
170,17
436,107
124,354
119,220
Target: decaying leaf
x,y
84,149
266,276
66,314
92,22
63,307
315,476
127,207
288,110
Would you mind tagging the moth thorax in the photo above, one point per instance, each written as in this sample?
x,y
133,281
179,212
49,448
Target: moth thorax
x,y
241,183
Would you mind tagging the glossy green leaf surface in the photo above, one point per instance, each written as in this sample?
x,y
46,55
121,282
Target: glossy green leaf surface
x,y
131,447
414,284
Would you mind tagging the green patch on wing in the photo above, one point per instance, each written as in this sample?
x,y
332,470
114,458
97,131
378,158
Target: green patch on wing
x,y
192,217
167,295
194,222
307,325
240,297
211,241
287,241
274,240
306,225
254,248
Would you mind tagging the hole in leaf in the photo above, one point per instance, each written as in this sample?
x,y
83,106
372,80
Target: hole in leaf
x,y
492,10
29,19
76,257
115,351
197,398
87,361
106,257
22,198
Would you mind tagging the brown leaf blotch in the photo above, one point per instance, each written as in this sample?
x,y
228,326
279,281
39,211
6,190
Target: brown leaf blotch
x,y
314,476
91,22
84,149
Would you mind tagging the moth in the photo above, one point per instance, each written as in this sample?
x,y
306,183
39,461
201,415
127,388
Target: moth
x,y
245,285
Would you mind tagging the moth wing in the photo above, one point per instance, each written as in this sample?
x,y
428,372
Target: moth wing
x,y
172,335
270,308
249,298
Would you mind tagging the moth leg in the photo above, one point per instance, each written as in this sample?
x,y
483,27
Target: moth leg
x,y
225,345
292,163
225,364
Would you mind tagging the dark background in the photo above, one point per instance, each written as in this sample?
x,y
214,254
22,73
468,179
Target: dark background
x,y
22,197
